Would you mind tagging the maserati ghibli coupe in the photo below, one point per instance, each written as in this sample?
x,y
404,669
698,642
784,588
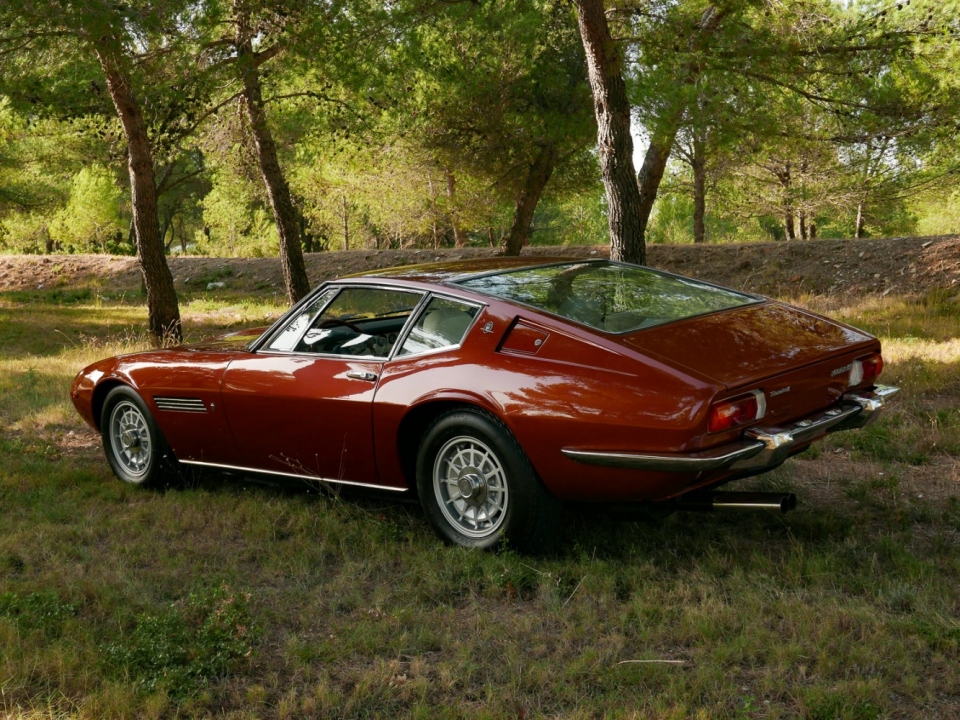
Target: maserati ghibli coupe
x,y
496,390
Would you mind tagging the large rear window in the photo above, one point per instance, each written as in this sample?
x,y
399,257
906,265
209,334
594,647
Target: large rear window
x,y
609,296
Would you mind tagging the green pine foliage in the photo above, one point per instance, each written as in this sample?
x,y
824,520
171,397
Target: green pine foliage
x,y
90,221
399,124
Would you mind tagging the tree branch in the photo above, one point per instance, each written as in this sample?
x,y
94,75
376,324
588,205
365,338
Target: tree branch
x,y
167,187
259,58
319,96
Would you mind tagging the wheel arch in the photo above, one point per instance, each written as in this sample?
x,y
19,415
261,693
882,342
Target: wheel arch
x,y
100,393
415,422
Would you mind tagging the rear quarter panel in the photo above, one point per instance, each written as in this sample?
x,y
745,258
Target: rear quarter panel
x,y
577,389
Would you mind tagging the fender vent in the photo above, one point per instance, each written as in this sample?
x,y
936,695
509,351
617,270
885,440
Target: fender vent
x,y
194,405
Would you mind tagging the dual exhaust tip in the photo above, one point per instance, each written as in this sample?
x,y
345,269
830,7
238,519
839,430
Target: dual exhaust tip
x,y
706,501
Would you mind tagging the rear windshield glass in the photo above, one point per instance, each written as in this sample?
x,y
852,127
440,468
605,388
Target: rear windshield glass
x,y
609,296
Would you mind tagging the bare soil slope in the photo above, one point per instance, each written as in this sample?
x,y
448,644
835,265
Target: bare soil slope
x,y
904,266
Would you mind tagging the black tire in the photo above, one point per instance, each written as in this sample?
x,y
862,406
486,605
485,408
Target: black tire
x,y
136,449
478,488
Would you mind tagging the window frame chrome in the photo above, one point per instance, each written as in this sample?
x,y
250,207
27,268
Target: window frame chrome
x,y
282,323
292,316
394,355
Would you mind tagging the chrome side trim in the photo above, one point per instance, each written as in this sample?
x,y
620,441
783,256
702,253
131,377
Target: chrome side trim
x,y
691,462
256,471
761,448
176,404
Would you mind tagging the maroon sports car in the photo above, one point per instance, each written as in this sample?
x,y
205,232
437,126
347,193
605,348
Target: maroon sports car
x,y
495,389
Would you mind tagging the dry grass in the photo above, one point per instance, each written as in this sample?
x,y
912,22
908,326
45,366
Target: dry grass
x,y
229,598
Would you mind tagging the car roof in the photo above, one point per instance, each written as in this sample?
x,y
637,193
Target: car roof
x,y
455,270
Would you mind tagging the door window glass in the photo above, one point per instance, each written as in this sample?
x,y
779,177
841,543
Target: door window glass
x,y
288,337
443,323
360,321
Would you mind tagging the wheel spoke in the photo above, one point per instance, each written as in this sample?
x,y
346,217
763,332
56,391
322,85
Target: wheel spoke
x,y
481,515
130,438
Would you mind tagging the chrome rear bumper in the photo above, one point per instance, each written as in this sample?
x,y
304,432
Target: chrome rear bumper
x,y
760,449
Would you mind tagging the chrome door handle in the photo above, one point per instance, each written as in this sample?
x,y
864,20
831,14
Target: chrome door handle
x,y
368,376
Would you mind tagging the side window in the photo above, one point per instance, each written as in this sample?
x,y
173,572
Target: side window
x,y
360,321
287,339
443,323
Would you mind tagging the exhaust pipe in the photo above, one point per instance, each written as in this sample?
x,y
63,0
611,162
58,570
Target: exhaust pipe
x,y
711,500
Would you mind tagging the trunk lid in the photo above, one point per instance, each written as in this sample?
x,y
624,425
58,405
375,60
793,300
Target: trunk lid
x,y
800,360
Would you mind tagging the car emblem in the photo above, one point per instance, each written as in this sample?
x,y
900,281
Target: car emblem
x,y
781,391
841,370
488,328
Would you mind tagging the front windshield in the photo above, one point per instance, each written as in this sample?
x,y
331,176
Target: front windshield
x,y
609,296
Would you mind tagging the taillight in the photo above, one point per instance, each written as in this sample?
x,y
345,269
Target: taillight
x,y
865,370
870,368
737,411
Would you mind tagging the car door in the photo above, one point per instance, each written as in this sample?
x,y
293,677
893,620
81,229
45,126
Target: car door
x,y
302,405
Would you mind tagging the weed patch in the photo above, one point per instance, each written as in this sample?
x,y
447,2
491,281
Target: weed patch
x,y
185,645
44,612
891,440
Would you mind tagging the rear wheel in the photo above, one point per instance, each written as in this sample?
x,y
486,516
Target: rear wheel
x,y
136,449
477,486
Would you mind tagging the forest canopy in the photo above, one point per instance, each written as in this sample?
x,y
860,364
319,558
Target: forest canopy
x,y
453,123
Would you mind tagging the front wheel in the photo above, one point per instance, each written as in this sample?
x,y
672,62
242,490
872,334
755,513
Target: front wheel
x,y
477,486
134,445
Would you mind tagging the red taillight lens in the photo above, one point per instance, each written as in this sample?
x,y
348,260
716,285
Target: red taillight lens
x,y
737,411
872,367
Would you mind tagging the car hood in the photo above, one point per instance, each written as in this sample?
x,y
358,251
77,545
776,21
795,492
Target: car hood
x,y
230,342
747,344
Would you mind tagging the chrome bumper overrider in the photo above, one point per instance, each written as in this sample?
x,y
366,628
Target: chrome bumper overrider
x,y
761,447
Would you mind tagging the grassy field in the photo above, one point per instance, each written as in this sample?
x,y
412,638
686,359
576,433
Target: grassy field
x,y
231,598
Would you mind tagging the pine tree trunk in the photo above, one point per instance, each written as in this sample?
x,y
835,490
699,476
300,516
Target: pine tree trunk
x,y
651,174
788,225
614,141
661,144
699,192
166,227
537,178
163,310
858,229
803,226
783,174
459,237
278,192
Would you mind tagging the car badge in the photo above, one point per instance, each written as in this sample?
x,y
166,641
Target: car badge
x,y
488,328
841,370
781,391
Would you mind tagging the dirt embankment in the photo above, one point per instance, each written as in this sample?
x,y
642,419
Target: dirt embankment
x,y
905,266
